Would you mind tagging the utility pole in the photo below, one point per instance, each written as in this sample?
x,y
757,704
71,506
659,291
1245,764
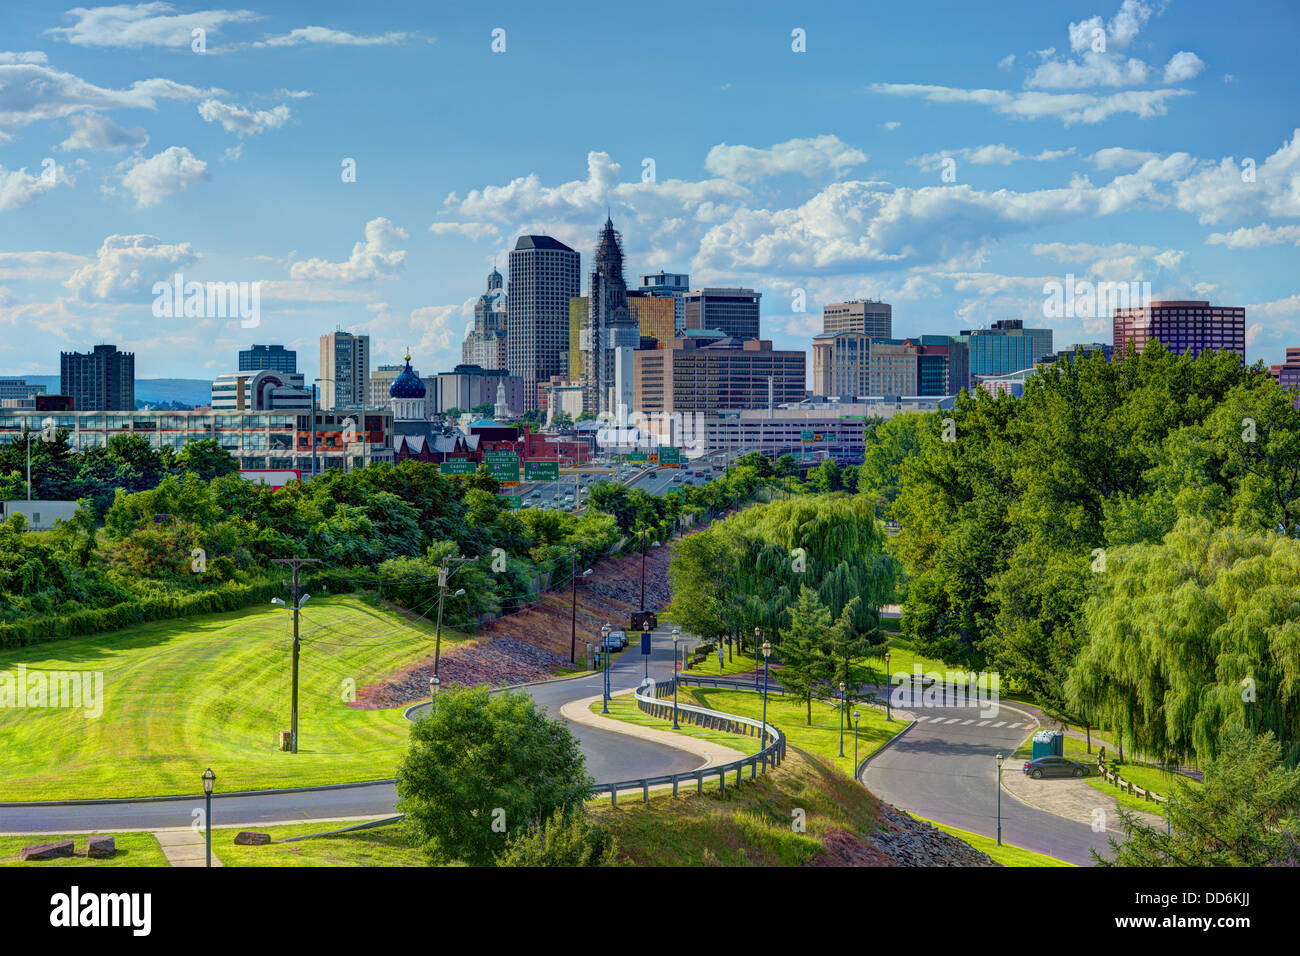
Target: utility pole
x,y
295,564
573,602
443,573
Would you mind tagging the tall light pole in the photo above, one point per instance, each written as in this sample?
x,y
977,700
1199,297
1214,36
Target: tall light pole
x,y
604,652
295,564
842,721
758,637
767,652
889,715
30,436
644,534
645,630
573,601
999,760
209,783
443,573
434,684
856,715
677,636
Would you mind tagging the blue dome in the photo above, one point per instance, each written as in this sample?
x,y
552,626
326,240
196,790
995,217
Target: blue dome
x,y
407,384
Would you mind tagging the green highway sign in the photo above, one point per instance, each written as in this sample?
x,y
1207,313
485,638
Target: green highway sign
x,y
670,455
638,456
457,466
513,501
541,471
805,435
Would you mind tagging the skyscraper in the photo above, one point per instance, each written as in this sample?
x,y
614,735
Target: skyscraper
x,y
609,325
868,316
1005,348
99,380
732,311
544,275
673,285
1184,328
486,343
274,357
344,370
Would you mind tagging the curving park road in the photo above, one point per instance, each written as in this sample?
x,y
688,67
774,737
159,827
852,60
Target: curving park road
x,y
610,756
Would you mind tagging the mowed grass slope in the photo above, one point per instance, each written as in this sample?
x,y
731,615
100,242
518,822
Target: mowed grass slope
x,y
213,690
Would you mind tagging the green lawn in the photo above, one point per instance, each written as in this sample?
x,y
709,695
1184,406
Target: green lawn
x,y
133,849
709,666
377,846
1005,854
213,690
822,738
624,708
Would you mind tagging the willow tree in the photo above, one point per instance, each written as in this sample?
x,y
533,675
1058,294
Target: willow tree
x,y
1193,635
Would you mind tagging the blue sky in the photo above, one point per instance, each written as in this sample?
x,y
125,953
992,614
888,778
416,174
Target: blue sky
x,y
1103,139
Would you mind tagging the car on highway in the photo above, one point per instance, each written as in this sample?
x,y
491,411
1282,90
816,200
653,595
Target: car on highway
x,y
1055,767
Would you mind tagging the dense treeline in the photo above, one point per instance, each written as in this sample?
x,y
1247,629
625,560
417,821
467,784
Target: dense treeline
x,y
186,534
1024,519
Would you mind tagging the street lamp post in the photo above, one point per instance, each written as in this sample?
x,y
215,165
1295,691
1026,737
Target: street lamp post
x,y
758,637
677,636
209,782
999,760
604,650
889,714
645,629
856,715
841,718
767,651
644,535
434,683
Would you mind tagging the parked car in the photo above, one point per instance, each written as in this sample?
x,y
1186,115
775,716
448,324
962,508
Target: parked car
x,y
1055,767
616,639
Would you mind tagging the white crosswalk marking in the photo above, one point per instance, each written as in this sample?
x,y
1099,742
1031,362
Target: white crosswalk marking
x,y
982,723
965,722
999,723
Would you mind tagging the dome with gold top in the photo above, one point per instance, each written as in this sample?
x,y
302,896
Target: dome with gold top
x,y
407,384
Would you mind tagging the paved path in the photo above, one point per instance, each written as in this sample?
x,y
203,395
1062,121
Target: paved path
x,y
579,711
1071,798
187,847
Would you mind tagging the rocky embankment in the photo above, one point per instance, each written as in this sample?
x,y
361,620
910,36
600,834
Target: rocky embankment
x,y
533,643
899,840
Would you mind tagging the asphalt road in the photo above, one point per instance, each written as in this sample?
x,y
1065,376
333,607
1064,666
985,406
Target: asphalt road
x,y
944,769
610,757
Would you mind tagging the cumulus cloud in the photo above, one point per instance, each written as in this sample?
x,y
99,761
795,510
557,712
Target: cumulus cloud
x,y
152,180
127,267
28,56
143,24
1235,189
96,132
245,122
1114,157
376,257
18,187
1253,237
816,157
1182,66
1069,108
1119,261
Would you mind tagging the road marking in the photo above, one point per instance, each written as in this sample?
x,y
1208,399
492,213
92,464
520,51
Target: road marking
x,y
965,722
982,723
952,720
922,717
999,723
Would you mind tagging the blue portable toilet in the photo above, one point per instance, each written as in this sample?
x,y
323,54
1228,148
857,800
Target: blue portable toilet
x,y
1048,743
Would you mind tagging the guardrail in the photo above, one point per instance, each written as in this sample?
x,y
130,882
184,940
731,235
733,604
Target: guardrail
x,y
771,753
1132,789
728,683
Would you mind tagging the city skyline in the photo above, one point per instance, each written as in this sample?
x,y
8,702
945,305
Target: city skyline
x,y
953,192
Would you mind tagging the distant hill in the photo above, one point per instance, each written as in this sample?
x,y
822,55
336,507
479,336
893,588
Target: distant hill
x,y
186,391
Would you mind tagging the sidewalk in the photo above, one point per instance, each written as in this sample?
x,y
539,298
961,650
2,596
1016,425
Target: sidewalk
x,y
186,847
1071,798
579,711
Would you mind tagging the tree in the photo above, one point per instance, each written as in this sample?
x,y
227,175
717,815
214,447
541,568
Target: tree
x,y
1246,813
207,459
806,664
453,413
484,409
482,768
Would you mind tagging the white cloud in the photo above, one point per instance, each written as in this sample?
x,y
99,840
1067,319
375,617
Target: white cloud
x,y
127,267
1183,66
1226,192
28,56
1114,157
1119,261
28,266
891,125
816,157
97,132
1094,69
18,187
1254,237
293,94
30,92
245,122
1069,108
992,155
470,230
143,24
152,180
1007,62
324,35
375,258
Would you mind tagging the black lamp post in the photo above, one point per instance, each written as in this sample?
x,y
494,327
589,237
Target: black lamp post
x,y
434,684
758,637
842,720
209,782
677,636
889,714
999,760
767,651
645,629
856,715
604,650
